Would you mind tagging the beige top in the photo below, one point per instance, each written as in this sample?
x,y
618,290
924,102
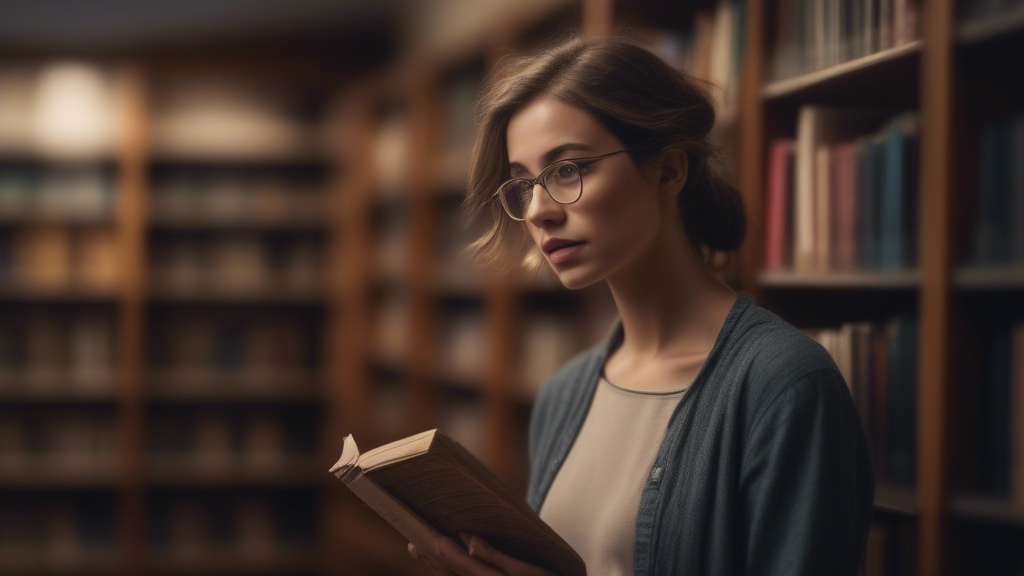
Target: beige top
x,y
594,498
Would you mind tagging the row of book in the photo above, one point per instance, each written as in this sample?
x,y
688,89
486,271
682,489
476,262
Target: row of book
x,y
237,262
391,240
548,340
223,192
195,344
812,34
56,441
999,222
457,411
1000,412
65,531
460,95
59,257
979,9
712,49
243,526
215,442
843,194
879,364
235,117
54,351
53,191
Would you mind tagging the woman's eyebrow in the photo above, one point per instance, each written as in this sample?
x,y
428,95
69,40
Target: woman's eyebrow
x,y
555,152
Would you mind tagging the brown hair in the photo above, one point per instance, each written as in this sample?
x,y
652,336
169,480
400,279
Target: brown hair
x,y
636,96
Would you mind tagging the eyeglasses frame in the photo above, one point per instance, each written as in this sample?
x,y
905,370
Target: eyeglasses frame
x,y
573,161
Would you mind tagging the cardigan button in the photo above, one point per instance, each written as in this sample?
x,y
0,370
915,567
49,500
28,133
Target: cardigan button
x,y
656,475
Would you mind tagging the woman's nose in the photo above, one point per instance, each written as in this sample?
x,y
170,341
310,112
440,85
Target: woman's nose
x,y
542,207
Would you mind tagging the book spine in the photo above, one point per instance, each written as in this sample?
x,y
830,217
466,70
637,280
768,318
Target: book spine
x,y
1017,186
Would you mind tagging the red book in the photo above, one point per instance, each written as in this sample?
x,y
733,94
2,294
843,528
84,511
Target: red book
x,y
777,206
844,206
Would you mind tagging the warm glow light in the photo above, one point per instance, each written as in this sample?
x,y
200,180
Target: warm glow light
x,y
72,114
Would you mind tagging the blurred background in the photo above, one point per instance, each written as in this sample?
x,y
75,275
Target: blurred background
x,y
229,237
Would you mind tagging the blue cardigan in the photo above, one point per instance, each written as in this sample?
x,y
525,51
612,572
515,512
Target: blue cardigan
x,y
763,469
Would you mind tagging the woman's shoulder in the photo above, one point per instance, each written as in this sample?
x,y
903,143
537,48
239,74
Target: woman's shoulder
x,y
773,356
774,347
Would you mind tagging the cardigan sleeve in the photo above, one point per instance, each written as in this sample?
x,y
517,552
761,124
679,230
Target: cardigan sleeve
x,y
806,482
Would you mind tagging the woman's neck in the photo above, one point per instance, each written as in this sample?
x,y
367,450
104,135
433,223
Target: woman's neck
x,y
669,304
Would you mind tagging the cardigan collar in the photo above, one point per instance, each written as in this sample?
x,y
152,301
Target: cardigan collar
x,y
616,334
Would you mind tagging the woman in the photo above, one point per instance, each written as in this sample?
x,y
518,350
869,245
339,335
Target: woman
x,y
704,435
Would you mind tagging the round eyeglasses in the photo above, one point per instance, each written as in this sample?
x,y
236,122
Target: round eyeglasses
x,y
563,180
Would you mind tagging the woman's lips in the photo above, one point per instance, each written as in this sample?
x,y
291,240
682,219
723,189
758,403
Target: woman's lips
x,y
563,254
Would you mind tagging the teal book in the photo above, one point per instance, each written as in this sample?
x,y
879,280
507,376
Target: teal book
x,y
898,234
902,405
911,193
991,238
994,412
867,212
891,247
1017,188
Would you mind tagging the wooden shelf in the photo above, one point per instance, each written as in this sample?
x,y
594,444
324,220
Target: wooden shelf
x,y
208,222
190,386
36,218
997,25
19,293
449,377
235,395
290,473
57,396
868,280
224,561
879,75
227,296
41,562
988,509
895,499
269,158
1007,277
39,475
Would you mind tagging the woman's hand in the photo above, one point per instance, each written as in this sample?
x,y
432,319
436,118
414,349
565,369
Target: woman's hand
x,y
482,559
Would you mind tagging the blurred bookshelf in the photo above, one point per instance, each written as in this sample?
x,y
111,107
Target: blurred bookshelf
x,y
221,276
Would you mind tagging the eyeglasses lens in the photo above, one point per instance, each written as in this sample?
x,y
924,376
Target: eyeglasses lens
x,y
562,181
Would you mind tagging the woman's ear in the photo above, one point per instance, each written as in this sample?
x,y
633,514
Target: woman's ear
x,y
674,168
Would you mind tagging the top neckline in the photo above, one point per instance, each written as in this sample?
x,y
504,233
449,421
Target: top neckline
x,y
616,334
671,392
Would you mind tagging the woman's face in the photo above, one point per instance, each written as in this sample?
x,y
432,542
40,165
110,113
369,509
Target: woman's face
x,y
618,215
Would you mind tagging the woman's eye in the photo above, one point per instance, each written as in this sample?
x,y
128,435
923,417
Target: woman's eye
x,y
567,171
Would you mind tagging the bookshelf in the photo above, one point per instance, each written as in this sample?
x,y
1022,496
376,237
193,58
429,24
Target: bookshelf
x,y
168,302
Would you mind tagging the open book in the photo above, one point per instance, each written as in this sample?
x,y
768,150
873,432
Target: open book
x,y
428,485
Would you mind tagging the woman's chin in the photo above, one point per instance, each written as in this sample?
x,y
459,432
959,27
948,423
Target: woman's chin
x,y
576,279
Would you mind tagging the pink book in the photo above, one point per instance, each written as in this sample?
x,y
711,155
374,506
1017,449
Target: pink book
x,y
777,203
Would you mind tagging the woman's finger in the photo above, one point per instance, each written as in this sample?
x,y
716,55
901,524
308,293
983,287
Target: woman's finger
x,y
506,564
460,562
